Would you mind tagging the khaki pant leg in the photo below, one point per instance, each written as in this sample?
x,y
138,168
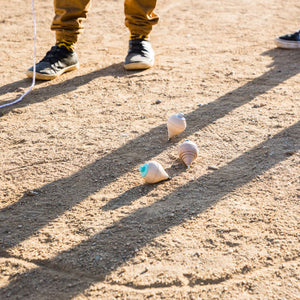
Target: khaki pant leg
x,y
68,20
139,16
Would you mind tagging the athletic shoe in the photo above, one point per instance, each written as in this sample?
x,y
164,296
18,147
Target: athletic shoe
x,y
140,55
289,41
56,62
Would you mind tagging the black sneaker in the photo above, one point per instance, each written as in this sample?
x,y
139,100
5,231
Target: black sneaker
x,y
140,55
56,62
289,41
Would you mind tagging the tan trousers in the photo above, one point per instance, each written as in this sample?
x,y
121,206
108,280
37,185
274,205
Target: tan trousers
x,y
70,14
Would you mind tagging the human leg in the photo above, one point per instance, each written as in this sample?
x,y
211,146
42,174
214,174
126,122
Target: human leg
x,y
68,19
139,18
67,24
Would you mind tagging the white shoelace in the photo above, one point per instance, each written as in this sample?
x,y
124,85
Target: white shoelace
x,y
34,57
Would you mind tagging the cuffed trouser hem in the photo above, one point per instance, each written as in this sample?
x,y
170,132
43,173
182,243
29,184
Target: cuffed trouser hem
x,y
69,18
68,36
139,16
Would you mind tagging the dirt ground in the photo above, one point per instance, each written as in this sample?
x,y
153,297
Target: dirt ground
x,y
77,220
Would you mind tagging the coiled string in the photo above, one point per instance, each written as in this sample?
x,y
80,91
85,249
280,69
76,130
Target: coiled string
x,y
34,58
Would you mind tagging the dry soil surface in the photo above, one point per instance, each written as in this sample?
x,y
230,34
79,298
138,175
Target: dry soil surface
x,y
77,220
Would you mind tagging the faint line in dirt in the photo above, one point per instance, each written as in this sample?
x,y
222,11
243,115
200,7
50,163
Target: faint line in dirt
x,y
159,285
156,285
36,164
53,267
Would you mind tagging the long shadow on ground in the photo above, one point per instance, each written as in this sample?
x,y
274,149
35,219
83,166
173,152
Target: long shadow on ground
x,y
120,242
43,93
186,201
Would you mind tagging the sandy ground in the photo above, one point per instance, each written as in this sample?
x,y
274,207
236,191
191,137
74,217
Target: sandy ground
x,y
77,220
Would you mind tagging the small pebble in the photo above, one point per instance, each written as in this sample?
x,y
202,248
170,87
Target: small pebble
x,y
20,89
197,254
213,168
31,193
158,101
145,271
289,152
258,105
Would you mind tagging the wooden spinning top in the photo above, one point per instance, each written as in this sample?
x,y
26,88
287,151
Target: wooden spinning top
x,y
188,152
153,172
176,124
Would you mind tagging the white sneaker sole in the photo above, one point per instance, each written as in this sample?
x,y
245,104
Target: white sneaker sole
x,y
40,76
287,44
138,66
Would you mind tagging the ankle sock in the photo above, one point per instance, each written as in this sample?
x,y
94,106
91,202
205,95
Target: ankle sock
x,y
64,44
135,36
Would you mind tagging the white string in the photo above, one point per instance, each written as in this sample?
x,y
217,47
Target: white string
x,y
34,56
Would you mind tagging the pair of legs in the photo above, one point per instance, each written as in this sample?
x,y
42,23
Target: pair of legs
x,y
68,24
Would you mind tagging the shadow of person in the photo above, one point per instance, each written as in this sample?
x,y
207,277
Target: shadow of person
x,y
42,93
15,86
285,65
143,225
92,260
55,195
